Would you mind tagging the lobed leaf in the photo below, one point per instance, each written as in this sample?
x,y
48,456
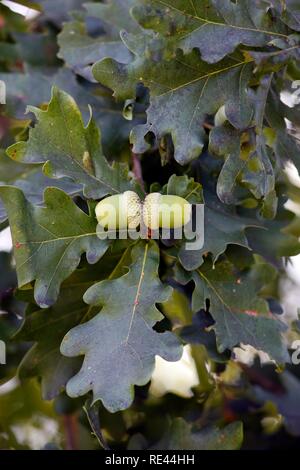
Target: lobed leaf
x,y
49,241
119,344
30,179
183,92
181,436
35,88
44,359
69,149
222,226
241,317
216,27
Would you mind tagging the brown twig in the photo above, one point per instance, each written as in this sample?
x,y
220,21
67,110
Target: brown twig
x,y
137,170
71,431
208,126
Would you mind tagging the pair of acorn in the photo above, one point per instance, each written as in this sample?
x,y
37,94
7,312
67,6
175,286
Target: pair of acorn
x,y
126,210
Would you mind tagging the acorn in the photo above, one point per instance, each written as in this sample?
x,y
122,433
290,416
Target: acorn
x,y
166,211
120,211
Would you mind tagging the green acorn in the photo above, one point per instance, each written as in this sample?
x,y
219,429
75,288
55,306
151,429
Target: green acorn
x,y
120,211
166,211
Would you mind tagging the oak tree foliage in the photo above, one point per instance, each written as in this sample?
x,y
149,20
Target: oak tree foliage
x,y
180,97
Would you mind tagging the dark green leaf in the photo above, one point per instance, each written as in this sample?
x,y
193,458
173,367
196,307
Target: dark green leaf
x,y
119,344
35,88
287,403
181,436
44,358
222,226
183,92
216,27
49,241
30,179
240,315
68,148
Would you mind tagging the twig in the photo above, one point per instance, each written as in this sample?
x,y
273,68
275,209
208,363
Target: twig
x,y
208,126
137,170
71,431
92,413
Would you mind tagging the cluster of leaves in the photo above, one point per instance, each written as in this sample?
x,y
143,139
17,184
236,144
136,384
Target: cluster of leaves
x,y
128,94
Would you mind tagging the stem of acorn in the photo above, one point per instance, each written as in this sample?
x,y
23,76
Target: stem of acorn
x,y
137,170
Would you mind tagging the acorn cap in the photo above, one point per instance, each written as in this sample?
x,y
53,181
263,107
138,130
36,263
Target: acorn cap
x,y
151,211
166,211
132,204
120,211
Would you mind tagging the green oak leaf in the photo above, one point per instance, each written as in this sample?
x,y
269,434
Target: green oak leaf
x,y
119,344
286,402
246,166
247,157
198,333
37,49
261,175
115,15
227,141
274,242
35,87
185,187
274,60
31,180
80,50
180,435
216,27
69,149
222,226
177,308
44,358
56,12
49,241
289,12
9,280
241,317
10,312
183,91
285,145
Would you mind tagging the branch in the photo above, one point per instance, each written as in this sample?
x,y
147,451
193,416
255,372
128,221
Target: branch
x,y
137,170
92,413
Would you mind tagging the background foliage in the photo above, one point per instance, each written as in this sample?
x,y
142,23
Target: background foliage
x,y
182,97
